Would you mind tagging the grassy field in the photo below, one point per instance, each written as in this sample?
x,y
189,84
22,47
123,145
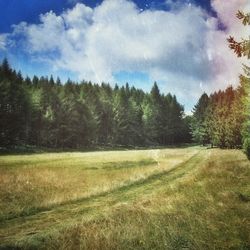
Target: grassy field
x,y
186,198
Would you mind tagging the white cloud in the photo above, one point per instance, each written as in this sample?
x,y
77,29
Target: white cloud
x,y
3,39
116,36
180,48
226,66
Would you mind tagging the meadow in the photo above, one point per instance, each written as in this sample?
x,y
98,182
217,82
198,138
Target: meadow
x,y
175,198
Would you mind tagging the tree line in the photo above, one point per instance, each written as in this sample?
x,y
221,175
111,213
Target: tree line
x,y
223,119
46,113
43,112
218,119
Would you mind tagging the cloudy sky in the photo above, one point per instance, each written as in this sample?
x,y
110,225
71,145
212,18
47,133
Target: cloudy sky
x,y
180,44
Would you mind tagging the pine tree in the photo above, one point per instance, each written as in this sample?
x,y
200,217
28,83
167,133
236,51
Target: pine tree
x,y
14,107
156,115
46,113
198,126
121,117
242,48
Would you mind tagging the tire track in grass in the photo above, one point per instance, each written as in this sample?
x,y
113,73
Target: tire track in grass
x,y
35,210
83,209
101,166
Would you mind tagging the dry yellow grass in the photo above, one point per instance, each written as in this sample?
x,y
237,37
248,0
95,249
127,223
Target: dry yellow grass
x,y
28,182
162,199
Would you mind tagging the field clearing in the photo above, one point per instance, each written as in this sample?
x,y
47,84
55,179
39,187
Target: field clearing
x,y
190,198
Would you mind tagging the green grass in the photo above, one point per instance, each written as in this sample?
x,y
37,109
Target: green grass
x,y
189,198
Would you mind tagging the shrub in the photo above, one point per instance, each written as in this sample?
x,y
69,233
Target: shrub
x,y
246,147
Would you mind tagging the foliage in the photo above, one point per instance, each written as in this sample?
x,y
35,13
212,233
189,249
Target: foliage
x,y
223,119
243,49
43,112
218,118
246,147
199,129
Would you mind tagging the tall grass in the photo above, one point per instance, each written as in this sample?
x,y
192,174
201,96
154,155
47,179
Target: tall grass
x,y
196,200
205,210
29,183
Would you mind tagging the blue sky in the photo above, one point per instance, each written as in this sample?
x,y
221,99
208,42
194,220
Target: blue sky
x,y
119,41
16,11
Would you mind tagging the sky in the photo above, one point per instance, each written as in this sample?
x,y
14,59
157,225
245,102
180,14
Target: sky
x,y
180,44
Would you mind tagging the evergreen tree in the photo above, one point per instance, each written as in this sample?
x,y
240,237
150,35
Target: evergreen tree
x,y
243,49
154,115
121,118
199,129
44,112
14,107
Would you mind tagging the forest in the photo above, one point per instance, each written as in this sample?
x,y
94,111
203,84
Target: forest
x,y
219,119
43,112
